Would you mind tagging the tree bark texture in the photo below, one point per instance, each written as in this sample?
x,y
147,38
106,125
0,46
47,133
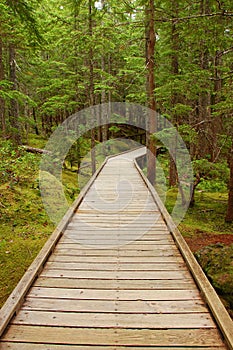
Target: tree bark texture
x,y
150,63
14,108
91,88
174,97
2,102
229,215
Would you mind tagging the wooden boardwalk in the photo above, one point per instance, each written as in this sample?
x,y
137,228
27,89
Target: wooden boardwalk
x,y
116,274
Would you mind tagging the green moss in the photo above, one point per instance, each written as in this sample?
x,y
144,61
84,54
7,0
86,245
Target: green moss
x,y
36,141
24,228
208,214
24,223
71,185
216,261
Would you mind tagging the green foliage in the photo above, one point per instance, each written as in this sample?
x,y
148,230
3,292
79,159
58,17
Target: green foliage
x,y
214,176
114,129
16,165
188,134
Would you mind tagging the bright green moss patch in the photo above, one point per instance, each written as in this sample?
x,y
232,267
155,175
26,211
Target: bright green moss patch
x,y
207,215
24,228
217,262
24,223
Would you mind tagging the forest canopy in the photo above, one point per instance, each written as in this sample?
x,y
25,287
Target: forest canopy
x,y
59,57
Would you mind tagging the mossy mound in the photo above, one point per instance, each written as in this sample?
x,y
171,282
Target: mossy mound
x,y
217,262
53,196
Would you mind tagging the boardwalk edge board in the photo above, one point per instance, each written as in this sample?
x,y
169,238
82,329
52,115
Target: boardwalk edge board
x,y
209,294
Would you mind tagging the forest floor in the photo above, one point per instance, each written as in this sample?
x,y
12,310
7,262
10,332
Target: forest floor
x,y
203,239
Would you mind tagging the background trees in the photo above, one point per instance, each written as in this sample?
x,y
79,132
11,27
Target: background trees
x,y
51,60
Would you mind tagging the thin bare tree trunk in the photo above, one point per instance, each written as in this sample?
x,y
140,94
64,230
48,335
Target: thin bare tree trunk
x,y
204,100
150,52
174,97
14,108
91,87
104,109
2,102
229,215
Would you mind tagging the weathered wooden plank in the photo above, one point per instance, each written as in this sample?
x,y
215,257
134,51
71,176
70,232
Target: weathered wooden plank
x,y
113,306
84,225
103,232
111,320
115,284
144,239
69,237
133,275
102,294
32,346
121,220
130,337
80,245
126,215
115,259
120,253
115,267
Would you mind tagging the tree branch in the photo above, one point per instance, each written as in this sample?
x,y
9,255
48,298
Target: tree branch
x,y
202,122
222,53
178,19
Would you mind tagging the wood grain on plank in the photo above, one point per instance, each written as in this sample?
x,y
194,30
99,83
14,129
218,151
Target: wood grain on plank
x,y
115,284
116,259
32,346
133,275
115,267
113,306
111,320
64,293
80,336
120,252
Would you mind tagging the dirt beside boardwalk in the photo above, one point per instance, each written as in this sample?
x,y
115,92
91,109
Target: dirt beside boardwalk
x,y
215,255
203,239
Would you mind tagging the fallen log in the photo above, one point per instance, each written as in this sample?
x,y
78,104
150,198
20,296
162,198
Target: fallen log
x,y
36,150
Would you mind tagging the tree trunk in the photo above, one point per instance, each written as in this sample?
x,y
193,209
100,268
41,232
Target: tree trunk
x,y
229,215
193,188
34,117
217,124
91,89
14,108
174,97
204,100
2,102
104,110
150,64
